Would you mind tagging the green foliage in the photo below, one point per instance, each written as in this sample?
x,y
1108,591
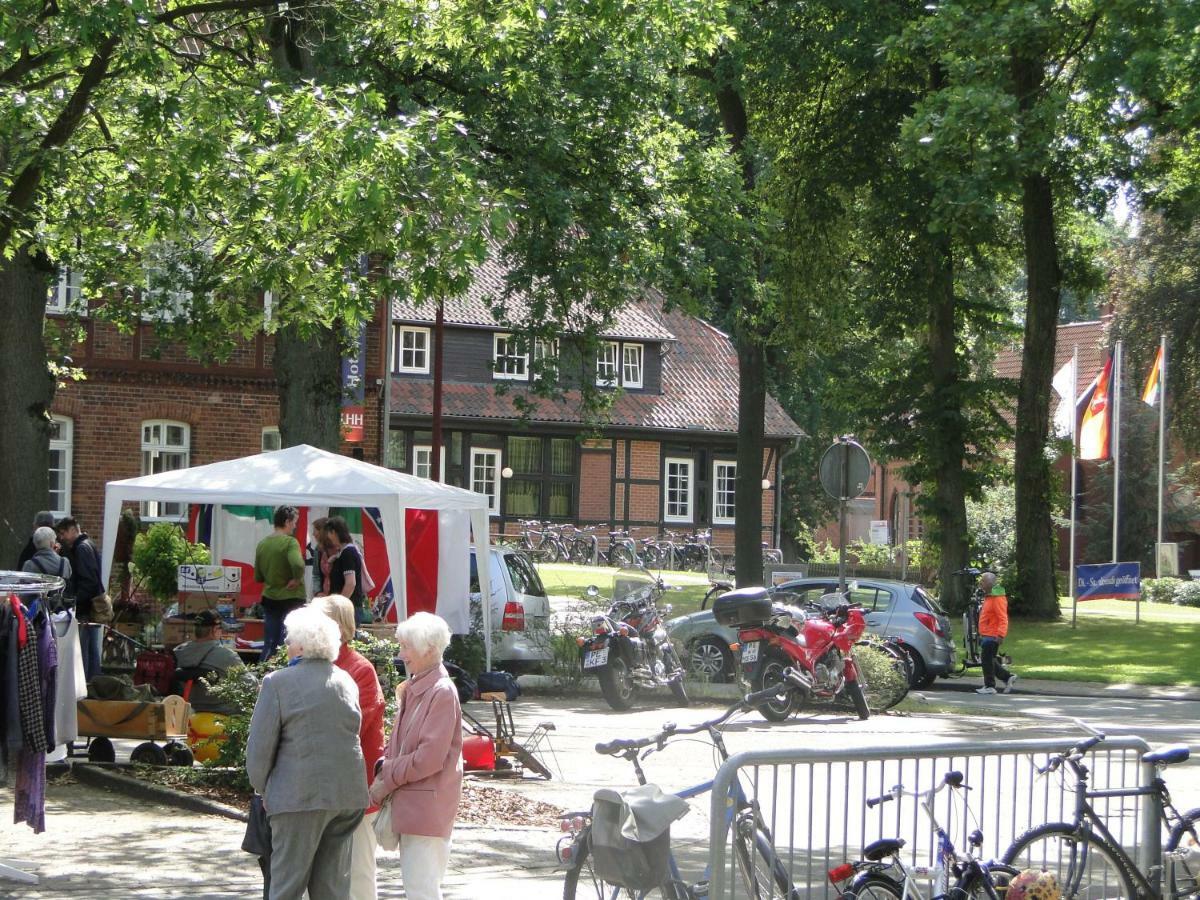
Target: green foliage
x,y
468,651
157,555
1160,590
991,523
237,690
1187,593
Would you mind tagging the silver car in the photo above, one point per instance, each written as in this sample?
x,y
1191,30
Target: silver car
x,y
895,609
519,608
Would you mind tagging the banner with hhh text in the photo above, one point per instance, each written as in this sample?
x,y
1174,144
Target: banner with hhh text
x,y
1109,581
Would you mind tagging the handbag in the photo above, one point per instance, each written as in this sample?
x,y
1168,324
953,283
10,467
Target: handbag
x,y
387,838
102,609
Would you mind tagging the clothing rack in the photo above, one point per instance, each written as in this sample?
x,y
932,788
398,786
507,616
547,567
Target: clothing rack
x,y
25,584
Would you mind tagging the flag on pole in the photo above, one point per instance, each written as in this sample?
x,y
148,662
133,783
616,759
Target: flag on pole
x,y
1064,386
1150,394
1095,422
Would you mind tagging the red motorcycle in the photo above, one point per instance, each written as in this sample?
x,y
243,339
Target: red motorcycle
x,y
817,644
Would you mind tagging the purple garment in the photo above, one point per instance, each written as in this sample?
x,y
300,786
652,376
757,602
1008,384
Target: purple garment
x,y
29,791
47,650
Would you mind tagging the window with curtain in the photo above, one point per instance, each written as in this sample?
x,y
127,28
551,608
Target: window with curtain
x,y
677,506
397,457
525,455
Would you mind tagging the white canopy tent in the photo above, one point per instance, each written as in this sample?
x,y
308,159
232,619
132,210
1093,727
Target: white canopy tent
x,y
308,476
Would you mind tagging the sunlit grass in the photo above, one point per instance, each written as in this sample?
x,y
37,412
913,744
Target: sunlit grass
x,y
569,580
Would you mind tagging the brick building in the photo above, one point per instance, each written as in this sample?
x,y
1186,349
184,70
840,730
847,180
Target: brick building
x,y
665,460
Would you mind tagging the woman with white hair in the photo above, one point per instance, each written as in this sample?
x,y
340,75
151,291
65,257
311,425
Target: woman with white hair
x,y
304,758
422,766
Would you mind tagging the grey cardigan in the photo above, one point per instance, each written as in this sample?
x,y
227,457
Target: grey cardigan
x,y
303,752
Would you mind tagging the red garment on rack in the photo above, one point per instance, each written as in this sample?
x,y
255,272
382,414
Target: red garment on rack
x,y
22,631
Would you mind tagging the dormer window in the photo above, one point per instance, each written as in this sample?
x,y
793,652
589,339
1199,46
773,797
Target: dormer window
x,y
631,365
411,350
606,364
509,362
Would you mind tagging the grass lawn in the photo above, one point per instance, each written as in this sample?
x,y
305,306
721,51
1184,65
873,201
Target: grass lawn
x,y
1106,646
569,580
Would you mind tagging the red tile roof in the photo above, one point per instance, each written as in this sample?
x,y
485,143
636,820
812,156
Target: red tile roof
x,y
474,308
1090,337
699,390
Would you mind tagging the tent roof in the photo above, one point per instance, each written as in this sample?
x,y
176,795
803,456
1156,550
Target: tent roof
x,y
300,475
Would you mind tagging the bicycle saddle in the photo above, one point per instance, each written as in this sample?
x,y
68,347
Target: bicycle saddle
x,y
883,847
1168,756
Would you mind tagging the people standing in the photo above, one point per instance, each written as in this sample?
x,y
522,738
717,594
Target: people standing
x,y
993,627
318,557
44,519
422,767
45,559
370,737
346,570
304,759
84,586
279,567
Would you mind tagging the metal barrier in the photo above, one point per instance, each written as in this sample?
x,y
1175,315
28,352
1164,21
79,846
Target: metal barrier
x,y
814,802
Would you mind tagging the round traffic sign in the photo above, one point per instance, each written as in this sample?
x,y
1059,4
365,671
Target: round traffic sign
x,y
845,470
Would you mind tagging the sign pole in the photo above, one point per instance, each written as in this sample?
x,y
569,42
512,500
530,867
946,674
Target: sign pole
x,y
1074,484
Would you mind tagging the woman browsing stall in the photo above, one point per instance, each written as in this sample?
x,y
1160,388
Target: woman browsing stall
x,y
346,567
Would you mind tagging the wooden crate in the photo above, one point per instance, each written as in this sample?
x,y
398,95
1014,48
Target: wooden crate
x,y
381,630
134,718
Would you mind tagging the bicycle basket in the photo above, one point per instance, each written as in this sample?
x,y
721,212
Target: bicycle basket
x,y
631,835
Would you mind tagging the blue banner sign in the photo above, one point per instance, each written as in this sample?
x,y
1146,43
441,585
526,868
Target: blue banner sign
x,y
1109,581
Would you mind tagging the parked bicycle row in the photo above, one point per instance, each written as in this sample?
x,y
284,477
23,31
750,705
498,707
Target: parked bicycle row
x,y
602,545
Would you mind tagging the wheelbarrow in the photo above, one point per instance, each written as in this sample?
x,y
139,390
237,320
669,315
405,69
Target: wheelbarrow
x,y
164,721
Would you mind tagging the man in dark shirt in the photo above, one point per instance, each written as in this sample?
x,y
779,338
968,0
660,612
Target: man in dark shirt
x,y
84,585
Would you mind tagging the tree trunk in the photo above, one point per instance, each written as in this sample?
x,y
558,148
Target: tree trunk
x,y
752,401
946,443
309,372
25,396
1036,594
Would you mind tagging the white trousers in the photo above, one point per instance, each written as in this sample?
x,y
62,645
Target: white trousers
x,y
423,865
362,860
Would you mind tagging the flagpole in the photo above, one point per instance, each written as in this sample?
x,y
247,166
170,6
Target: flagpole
x,y
1162,450
1074,487
1116,446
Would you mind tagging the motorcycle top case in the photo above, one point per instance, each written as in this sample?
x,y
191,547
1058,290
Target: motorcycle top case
x,y
746,606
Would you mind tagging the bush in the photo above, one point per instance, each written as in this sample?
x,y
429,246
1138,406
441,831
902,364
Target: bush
x,y
1187,593
157,555
991,526
1160,590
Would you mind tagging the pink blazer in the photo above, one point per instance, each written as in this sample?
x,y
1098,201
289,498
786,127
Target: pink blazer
x,y
422,766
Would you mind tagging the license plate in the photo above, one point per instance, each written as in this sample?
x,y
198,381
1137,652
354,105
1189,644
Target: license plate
x,y
593,659
750,652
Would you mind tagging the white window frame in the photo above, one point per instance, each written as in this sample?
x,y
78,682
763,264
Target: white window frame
x,y
268,306
501,371
543,349
422,459
691,488
628,365
271,431
64,443
155,509
67,294
606,363
177,307
493,495
717,491
399,350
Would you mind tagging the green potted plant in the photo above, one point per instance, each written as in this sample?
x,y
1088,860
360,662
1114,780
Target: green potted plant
x,y
158,553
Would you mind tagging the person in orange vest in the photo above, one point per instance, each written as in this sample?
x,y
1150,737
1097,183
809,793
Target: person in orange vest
x,y
993,626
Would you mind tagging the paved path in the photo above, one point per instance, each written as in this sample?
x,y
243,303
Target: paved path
x,y
104,846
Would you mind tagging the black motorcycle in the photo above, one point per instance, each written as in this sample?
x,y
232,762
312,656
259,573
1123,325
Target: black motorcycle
x,y
628,649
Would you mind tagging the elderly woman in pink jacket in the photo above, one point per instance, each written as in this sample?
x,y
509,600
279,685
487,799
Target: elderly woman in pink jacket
x,y
422,768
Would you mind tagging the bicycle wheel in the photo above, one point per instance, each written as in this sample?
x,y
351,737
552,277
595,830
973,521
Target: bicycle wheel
x,y
581,550
1084,864
994,886
873,886
1182,857
582,882
621,556
550,549
762,874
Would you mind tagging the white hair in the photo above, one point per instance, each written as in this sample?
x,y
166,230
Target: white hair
x,y
314,632
44,538
424,632
341,610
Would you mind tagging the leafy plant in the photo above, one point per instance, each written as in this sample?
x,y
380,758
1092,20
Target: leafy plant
x,y
1187,593
157,555
1160,590
991,526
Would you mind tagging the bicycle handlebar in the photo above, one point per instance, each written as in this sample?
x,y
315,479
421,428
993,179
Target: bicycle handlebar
x,y
749,701
1076,753
953,779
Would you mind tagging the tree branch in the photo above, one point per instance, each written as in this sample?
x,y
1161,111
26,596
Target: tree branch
x,y
26,64
199,9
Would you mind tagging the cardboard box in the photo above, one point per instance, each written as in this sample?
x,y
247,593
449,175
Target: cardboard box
x,y
191,602
210,579
129,629
177,630
133,718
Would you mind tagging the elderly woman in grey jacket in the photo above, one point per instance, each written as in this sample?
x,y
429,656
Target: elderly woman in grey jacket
x,y
304,758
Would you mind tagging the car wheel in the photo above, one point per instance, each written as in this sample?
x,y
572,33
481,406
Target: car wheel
x,y
709,659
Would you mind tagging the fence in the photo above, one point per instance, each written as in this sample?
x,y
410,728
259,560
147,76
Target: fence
x,y
814,802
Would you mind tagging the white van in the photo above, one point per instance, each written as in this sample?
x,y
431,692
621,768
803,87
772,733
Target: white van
x,y
520,611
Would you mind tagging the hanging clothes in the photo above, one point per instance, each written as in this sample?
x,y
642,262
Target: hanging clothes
x,y
72,686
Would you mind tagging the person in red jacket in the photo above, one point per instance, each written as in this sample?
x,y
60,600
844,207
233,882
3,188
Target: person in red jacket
x,y
993,626
371,703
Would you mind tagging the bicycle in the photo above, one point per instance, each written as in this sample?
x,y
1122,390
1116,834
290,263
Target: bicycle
x,y
1083,854
882,872
764,875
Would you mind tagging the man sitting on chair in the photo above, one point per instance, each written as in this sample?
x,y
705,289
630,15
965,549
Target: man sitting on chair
x,y
203,656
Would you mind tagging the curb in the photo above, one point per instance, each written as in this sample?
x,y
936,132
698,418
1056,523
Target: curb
x,y
134,787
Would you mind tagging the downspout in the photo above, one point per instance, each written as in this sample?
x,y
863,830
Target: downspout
x,y
779,489
385,431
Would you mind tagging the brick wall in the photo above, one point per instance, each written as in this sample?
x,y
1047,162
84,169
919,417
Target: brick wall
x,y
595,486
645,460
